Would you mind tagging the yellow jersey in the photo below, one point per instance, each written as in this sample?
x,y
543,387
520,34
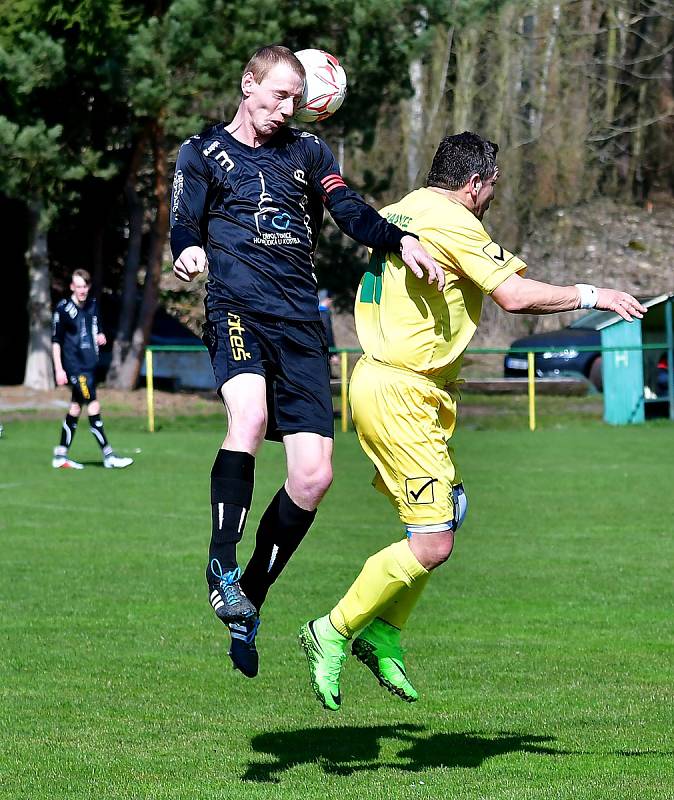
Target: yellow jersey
x,y
403,321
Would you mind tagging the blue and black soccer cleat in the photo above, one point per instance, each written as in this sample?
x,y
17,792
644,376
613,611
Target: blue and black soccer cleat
x,y
226,595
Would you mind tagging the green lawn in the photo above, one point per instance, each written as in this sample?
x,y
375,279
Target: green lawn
x,y
542,651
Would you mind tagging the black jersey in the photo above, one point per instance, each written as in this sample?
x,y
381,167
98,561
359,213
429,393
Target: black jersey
x,y
75,328
257,212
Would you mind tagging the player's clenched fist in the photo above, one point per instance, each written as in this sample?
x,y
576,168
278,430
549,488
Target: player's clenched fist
x,y
189,263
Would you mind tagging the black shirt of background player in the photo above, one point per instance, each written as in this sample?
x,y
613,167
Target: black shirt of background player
x,y
75,328
257,212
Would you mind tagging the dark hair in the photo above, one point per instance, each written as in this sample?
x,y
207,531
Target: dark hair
x,y
266,58
458,157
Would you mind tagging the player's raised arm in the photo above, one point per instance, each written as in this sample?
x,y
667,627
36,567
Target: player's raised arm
x,y
419,261
520,295
363,223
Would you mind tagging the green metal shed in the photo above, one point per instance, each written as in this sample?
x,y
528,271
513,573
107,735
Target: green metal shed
x,y
630,372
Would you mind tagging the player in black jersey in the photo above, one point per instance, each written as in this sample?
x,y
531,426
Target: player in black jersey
x,y
76,337
248,200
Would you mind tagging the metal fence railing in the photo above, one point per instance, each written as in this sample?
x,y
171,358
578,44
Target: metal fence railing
x,y
344,371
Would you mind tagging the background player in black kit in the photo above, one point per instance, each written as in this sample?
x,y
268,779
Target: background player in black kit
x,y
248,202
76,337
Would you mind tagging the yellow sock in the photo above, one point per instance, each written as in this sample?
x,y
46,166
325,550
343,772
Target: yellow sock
x,y
397,612
384,575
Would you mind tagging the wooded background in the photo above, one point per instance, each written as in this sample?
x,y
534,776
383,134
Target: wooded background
x,y
96,96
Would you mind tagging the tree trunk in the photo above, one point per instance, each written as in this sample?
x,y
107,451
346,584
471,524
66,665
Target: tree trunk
x,y
127,315
543,84
415,107
130,368
467,51
39,370
441,54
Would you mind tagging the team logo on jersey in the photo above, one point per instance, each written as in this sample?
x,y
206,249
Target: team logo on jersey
x,y
212,147
420,490
497,254
221,156
271,222
236,342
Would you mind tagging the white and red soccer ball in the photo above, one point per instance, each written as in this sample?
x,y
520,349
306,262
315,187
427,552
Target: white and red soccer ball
x,y
324,88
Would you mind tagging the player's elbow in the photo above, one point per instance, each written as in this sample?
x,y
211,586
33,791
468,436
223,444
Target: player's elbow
x,y
511,295
508,300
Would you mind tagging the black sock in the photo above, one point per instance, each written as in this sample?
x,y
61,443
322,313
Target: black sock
x,y
68,431
282,528
232,478
96,427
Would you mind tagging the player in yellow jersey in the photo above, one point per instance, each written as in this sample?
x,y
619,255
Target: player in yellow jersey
x,y
403,399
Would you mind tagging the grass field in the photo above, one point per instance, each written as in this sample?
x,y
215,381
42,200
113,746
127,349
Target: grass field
x,y
542,651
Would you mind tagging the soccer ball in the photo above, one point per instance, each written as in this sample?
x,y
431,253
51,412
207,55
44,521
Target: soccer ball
x,y
325,86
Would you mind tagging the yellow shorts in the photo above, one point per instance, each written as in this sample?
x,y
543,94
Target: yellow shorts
x,y
404,422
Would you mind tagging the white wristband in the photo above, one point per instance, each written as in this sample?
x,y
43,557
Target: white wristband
x,y
588,295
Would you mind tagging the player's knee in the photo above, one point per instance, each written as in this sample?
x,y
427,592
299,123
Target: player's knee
x,y
431,544
311,482
443,548
318,481
438,550
249,426
324,479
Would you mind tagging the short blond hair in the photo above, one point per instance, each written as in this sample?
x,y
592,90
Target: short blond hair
x,y
81,273
266,58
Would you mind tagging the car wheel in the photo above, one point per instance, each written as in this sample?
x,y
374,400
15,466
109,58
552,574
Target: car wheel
x,y
595,374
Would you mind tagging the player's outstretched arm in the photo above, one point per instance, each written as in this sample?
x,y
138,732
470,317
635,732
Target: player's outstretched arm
x,y
525,296
190,263
419,261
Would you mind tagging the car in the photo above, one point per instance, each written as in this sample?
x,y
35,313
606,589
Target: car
x,y
559,354
172,369
575,351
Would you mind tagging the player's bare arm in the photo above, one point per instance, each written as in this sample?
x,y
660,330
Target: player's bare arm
x,y
59,372
190,263
419,261
520,295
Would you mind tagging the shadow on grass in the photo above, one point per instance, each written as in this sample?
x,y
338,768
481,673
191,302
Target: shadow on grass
x,y
343,751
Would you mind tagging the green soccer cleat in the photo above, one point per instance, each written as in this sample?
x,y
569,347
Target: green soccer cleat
x,y
378,647
324,649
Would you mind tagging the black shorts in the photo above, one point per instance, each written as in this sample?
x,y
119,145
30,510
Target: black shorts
x,y
83,387
292,356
